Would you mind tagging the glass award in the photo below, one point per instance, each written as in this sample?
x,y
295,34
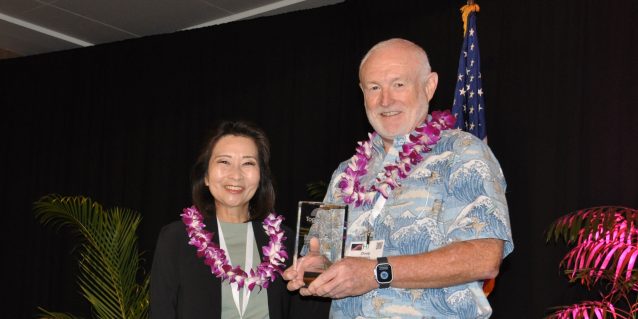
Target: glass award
x,y
325,225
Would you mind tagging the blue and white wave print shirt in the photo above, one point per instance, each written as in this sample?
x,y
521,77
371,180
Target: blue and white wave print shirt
x,y
456,193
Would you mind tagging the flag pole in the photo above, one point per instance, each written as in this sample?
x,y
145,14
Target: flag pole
x,y
471,6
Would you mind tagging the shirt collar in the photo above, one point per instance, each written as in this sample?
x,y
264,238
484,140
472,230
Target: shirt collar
x,y
397,144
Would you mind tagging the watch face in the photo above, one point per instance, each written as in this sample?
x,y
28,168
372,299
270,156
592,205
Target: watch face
x,y
384,273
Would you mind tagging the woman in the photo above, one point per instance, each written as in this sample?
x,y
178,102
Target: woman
x,y
196,270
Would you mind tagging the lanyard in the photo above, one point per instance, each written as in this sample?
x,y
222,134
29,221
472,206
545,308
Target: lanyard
x,y
376,210
250,241
374,213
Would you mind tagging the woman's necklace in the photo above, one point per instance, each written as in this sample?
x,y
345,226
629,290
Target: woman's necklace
x,y
424,136
274,254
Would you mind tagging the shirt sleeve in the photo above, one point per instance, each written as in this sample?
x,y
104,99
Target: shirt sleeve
x,y
477,207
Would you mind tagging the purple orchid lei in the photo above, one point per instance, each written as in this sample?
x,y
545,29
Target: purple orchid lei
x,y
425,135
274,254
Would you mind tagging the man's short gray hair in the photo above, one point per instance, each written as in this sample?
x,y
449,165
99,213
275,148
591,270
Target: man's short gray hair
x,y
407,45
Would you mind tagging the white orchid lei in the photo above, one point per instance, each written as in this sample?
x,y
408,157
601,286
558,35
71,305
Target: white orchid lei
x,y
424,136
274,253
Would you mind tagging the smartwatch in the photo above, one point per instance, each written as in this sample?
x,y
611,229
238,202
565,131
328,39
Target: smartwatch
x,y
383,272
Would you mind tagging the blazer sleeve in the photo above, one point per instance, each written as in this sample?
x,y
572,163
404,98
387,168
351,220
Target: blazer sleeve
x,y
164,276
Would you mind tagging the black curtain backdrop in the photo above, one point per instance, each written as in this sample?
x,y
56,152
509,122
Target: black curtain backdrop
x,y
123,122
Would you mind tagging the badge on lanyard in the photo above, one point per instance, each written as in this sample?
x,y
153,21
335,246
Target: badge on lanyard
x,y
370,248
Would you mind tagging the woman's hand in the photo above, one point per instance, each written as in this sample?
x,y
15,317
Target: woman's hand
x,y
309,266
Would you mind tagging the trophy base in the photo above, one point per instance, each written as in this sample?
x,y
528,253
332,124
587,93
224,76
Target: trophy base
x,y
310,276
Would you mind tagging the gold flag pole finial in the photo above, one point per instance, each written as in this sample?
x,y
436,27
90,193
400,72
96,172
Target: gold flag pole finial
x,y
466,10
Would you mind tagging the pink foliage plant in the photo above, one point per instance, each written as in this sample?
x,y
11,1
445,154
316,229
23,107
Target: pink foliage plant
x,y
603,255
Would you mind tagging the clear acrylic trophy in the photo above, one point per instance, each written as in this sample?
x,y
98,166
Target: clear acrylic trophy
x,y
326,225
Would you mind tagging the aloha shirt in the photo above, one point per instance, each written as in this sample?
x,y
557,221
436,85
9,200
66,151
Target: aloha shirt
x,y
456,193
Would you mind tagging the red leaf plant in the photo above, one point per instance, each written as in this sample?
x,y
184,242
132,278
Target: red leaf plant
x,y
604,252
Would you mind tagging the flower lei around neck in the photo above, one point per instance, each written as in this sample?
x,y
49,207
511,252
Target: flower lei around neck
x,y
274,253
425,135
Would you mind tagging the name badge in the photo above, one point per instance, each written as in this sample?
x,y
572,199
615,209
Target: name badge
x,y
373,250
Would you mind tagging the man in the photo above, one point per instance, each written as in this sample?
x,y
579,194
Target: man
x,y
438,220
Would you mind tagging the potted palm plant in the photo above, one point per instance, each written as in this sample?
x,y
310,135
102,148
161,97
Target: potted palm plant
x,y
109,261
317,190
603,257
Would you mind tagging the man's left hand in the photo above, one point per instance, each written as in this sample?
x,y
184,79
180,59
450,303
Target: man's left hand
x,y
351,276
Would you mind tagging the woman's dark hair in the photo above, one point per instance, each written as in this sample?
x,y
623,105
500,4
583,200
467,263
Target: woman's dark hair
x,y
263,201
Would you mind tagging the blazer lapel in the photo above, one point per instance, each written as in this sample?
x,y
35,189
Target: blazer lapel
x,y
274,294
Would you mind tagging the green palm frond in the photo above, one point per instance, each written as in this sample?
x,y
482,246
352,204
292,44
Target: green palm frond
x,y
317,190
55,315
109,259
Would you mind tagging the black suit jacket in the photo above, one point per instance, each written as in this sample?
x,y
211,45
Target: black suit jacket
x,y
183,287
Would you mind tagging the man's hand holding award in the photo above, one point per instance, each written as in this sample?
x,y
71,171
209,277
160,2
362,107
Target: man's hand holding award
x,y
319,241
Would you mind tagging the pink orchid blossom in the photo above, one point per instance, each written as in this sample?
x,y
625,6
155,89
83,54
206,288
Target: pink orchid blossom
x,y
411,154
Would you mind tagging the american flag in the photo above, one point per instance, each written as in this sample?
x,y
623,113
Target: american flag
x,y
468,105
